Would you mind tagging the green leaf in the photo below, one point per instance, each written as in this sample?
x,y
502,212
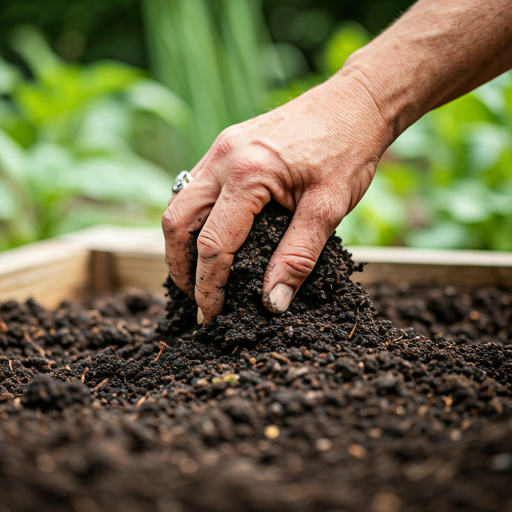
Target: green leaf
x,y
443,235
13,158
124,179
9,76
153,97
8,204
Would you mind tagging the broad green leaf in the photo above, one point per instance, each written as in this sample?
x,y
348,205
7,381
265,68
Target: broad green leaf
x,y
8,203
13,158
30,43
153,97
443,235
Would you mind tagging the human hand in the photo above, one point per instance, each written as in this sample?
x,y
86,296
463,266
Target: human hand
x,y
315,155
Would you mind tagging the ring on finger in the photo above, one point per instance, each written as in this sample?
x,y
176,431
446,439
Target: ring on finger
x,y
181,181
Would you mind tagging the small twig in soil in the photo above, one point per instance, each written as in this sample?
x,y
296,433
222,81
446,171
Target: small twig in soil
x,y
102,383
354,328
82,379
162,345
142,400
115,353
236,348
275,355
158,355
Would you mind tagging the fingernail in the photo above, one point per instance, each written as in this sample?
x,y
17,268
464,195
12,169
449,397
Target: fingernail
x,y
200,316
279,298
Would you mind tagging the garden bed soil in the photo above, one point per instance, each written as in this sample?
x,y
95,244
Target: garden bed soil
x,y
117,404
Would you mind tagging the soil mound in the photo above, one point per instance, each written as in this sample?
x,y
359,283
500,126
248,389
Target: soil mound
x,y
324,408
329,307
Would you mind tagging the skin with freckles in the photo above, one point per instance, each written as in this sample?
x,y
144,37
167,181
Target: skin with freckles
x,y
317,154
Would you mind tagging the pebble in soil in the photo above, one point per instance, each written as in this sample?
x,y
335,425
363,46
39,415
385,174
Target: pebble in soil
x,y
326,407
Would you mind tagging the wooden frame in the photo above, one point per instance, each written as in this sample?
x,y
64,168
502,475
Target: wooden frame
x,y
113,258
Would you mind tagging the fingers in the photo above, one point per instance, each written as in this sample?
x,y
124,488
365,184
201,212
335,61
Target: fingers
x,y
194,172
222,235
298,251
185,215
188,210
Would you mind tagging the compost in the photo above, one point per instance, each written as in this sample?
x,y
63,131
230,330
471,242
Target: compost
x,y
119,404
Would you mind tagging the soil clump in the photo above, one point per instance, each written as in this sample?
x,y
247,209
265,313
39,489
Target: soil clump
x,y
117,404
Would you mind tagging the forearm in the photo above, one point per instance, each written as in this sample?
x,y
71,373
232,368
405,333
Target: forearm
x,y
437,51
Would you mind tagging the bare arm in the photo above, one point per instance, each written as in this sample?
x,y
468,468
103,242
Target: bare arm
x,y
317,154
437,51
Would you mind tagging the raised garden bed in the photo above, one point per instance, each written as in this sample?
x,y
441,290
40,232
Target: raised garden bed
x,y
326,408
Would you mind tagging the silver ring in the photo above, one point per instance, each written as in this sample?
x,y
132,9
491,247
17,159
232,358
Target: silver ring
x,y
181,181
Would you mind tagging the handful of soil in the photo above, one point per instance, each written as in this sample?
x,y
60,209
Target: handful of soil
x,y
329,308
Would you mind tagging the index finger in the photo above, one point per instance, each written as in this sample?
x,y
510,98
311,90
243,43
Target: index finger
x,y
184,216
222,235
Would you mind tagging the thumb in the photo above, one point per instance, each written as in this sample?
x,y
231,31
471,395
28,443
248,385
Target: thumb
x,y
297,253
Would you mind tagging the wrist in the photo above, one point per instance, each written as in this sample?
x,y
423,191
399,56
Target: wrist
x,y
376,118
434,53
394,98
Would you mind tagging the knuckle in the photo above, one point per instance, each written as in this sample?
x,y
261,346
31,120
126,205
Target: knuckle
x,y
225,143
222,148
170,222
247,168
299,264
327,211
207,244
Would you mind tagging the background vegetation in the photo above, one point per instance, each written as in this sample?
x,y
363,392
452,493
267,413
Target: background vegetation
x,y
102,103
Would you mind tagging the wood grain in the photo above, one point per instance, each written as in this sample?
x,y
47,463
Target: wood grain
x,y
48,271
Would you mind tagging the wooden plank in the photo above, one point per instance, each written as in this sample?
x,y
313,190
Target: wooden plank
x,y
410,255
124,257
429,266
140,270
48,271
110,257
138,261
118,238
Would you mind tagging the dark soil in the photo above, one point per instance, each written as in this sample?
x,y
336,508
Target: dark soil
x,y
108,406
463,314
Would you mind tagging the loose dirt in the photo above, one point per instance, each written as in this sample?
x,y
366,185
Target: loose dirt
x,y
117,404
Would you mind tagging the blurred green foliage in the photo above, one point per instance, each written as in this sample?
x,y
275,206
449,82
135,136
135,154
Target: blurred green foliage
x,y
66,156
99,141
218,58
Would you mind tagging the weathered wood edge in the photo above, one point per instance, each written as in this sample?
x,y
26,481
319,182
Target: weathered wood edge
x,y
150,241
48,271
111,257
138,255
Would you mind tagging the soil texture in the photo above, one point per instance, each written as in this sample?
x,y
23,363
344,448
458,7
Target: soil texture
x,y
119,404
463,314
